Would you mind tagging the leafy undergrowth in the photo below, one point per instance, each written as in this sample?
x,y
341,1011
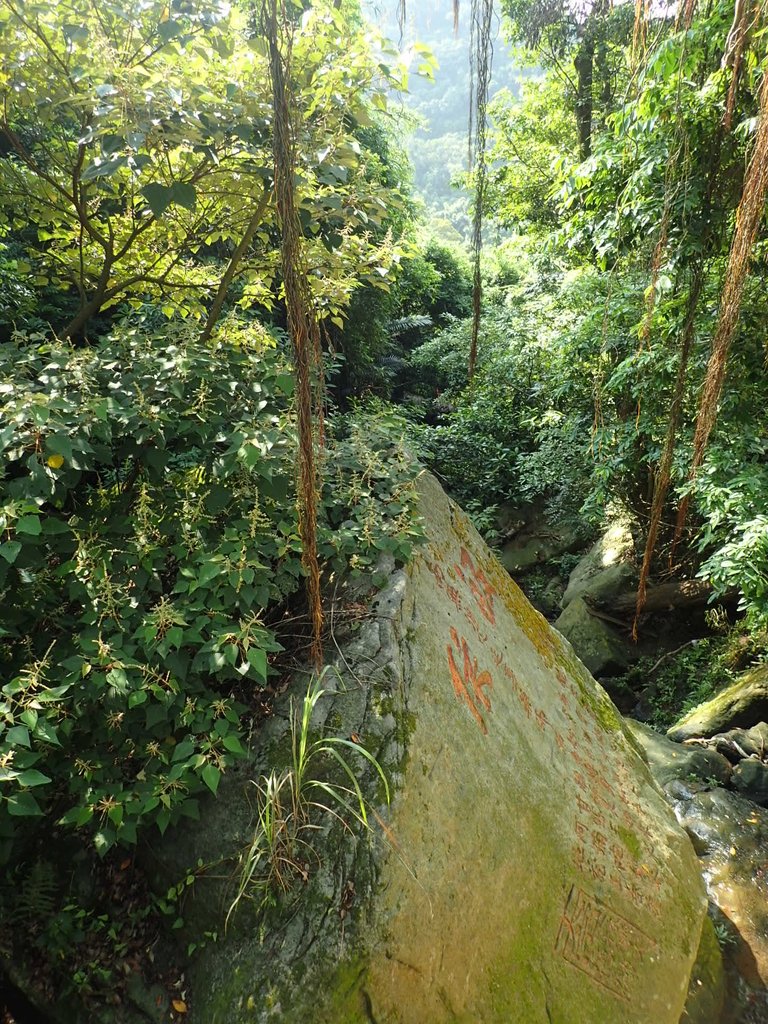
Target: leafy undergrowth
x,y
672,684
93,930
149,552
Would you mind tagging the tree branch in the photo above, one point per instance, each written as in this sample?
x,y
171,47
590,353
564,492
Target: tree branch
x,y
229,273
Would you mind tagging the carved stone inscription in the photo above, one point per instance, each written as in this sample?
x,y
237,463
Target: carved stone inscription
x,y
612,852
603,944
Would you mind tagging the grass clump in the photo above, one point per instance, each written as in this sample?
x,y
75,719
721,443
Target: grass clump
x,y
300,800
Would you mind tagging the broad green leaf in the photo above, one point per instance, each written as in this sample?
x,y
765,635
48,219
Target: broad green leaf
x,y
211,777
29,524
103,168
18,735
184,194
183,750
258,660
29,717
128,832
77,816
158,196
167,30
75,33
116,677
47,732
10,550
59,444
233,745
24,805
32,777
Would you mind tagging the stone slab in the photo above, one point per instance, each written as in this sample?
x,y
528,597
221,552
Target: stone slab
x,y
530,870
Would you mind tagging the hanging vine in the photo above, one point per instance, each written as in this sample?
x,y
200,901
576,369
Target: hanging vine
x,y
480,64
402,12
664,471
748,218
735,47
663,477
481,60
302,323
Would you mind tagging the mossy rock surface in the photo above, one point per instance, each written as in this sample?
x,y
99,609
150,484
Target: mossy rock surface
x,y
706,1002
530,870
741,705
669,761
597,644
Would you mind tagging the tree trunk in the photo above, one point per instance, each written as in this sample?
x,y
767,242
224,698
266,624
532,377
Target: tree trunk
x,y
584,63
668,596
90,308
77,324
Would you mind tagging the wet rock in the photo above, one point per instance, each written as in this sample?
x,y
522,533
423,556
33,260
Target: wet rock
x,y
670,761
742,704
595,641
731,836
750,778
530,870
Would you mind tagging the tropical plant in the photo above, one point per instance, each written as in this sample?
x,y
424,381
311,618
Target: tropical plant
x,y
533,137
136,155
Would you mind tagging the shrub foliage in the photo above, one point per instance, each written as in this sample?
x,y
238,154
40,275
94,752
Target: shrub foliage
x,y
149,537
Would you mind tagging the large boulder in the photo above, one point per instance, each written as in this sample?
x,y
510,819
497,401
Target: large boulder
x,y
606,570
529,869
741,705
594,640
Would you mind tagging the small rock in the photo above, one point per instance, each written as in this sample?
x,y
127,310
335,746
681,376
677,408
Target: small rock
x,y
750,778
678,790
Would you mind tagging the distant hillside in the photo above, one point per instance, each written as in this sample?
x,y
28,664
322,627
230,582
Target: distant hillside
x,y
438,149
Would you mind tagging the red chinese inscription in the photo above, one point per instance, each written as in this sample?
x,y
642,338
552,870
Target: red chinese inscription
x,y
469,684
476,580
